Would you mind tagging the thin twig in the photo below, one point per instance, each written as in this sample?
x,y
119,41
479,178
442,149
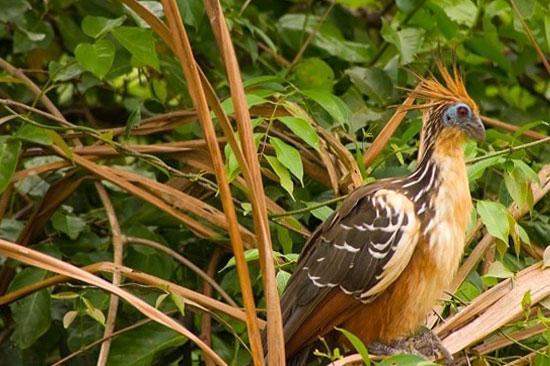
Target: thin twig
x,y
509,150
186,262
206,321
117,259
311,36
309,208
508,127
532,39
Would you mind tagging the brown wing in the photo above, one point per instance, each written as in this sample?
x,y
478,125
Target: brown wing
x,y
359,251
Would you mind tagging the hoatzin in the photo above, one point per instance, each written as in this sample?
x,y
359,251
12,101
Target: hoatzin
x,y
377,266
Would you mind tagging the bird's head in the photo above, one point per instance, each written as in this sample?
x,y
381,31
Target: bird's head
x,y
448,109
461,116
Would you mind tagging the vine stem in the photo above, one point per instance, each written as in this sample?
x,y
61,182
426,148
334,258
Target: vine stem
x,y
509,150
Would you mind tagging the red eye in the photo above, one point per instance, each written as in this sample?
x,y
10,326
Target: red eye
x,y
462,111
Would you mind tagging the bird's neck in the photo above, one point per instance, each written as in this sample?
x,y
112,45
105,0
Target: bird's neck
x,y
441,166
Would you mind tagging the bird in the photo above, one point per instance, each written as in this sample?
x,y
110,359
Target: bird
x,y
382,260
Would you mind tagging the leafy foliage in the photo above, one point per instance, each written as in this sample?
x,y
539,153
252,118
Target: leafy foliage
x,y
320,78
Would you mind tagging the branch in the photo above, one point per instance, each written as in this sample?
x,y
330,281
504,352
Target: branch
x,y
117,259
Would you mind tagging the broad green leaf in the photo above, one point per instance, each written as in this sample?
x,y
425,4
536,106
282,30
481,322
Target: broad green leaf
x,y
249,256
231,164
408,41
518,188
322,213
68,224
94,312
12,9
284,239
282,173
495,217
141,44
31,33
192,11
314,73
498,270
178,301
372,82
301,128
289,157
66,71
251,100
31,314
282,280
331,103
357,344
9,156
476,170
97,26
35,134
461,11
96,58
527,171
141,346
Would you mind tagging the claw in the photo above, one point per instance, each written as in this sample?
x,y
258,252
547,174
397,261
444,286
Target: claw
x,y
425,344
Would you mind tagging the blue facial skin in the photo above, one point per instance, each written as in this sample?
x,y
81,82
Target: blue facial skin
x,y
460,115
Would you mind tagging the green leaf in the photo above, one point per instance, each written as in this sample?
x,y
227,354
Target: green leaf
x,y
408,41
518,187
289,157
178,301
96,58
282,280
249,256
282,173
9,156
31,314
372,82
141,346
12,9
301,128
495,217
357,344
314,73
94,312
476,170
405,360
231,164
35,134
322,213
66,71
331,103
140,43
192,11
251,100
98,26
68,224
498,270
460,11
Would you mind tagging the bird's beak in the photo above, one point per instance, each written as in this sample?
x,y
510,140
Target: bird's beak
x,y
475,129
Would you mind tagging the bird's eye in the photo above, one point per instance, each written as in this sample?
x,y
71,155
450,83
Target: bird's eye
x,y
462,111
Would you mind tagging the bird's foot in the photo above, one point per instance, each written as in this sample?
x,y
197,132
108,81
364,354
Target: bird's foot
x,y
428,343
425,344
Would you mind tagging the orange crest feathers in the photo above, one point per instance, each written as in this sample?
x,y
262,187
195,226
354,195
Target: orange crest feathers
x,y
435,93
